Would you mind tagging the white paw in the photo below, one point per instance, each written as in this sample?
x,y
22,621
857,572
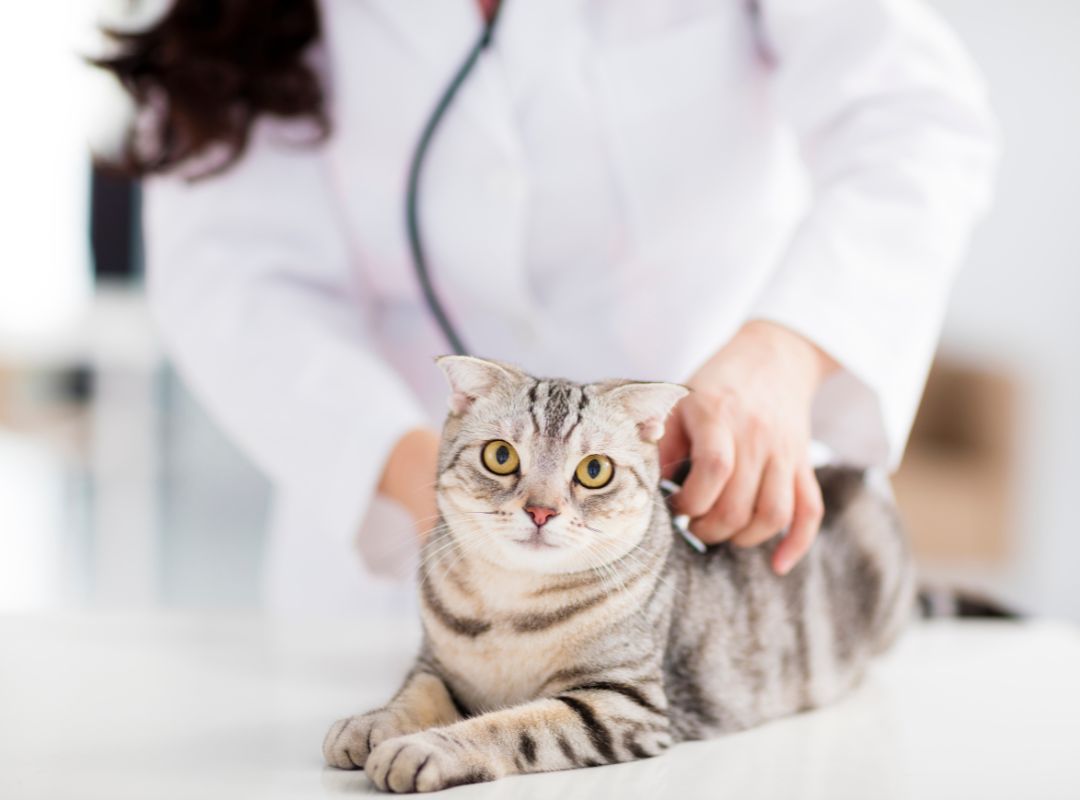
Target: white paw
x,y
350,741
420,762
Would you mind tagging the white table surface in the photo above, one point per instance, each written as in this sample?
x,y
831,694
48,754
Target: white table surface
x,y
209,706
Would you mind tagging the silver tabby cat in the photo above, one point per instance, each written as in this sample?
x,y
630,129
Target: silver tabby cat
x,y
566,625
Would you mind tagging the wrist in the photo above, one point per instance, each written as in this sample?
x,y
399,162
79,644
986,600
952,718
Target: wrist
x,y
409,473
762,350
818,364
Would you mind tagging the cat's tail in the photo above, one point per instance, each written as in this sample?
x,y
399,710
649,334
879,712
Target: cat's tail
x,y
936,602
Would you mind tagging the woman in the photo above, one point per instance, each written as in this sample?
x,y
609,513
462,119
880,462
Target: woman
x,y
763,200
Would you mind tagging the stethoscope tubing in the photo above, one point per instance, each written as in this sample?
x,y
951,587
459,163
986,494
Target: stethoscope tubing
x,y
412,196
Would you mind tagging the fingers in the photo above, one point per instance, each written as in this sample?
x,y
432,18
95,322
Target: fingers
x,y
734,508
712,462
809,511
674,445
741,486
773,508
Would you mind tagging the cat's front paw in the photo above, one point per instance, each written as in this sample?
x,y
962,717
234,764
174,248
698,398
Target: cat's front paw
x,y
350,741
421,762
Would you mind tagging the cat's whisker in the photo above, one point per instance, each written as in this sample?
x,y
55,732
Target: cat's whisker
x,y
434,560
610,580
444,520
632,556
609,570
661,579
454,538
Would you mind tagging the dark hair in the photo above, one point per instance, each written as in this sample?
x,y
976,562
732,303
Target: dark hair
x,y
208,69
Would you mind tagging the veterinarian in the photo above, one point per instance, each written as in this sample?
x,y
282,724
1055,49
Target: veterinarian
x,y
764,200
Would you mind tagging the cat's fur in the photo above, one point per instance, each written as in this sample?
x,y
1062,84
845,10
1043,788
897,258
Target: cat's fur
x,y
612,639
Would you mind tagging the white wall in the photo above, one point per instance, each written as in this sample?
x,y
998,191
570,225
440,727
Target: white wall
x,y
1016,305
44,260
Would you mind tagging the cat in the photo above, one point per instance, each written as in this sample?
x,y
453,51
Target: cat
x,y
566,625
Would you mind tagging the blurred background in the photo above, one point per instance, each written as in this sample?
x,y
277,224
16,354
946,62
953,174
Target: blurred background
x,y
117,491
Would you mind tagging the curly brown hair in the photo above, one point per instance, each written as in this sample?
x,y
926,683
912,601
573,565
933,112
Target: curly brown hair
x,y
208,69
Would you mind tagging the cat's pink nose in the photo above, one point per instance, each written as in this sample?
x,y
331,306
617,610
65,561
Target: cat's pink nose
x,y
540,514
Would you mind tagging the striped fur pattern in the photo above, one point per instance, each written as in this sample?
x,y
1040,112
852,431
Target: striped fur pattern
x,y
600,637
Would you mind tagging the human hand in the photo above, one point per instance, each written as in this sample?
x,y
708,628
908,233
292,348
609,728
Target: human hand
x,y
409,475
746,429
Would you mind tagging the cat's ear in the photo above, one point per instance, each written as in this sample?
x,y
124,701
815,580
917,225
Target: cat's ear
x,y
472,378
648,404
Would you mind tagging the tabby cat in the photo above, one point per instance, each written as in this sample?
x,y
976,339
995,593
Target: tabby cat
x,y
565,625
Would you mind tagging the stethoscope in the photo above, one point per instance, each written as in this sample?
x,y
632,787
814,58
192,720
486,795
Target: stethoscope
x,y
416,243
412,197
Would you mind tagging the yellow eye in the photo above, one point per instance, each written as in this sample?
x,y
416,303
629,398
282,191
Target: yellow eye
x,y
595,472
500,457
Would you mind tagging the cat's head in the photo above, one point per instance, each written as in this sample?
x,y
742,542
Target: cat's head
x,y
549,476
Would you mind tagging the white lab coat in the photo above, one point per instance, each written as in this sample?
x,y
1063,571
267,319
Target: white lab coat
x,y
620,184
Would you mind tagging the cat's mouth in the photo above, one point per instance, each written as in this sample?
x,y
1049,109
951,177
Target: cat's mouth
x,y
536,541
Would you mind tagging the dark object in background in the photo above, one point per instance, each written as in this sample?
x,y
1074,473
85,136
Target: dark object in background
x,y
939,602
955,485
115,233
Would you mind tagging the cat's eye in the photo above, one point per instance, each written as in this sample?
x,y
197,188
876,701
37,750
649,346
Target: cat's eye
x,y
595,472
500,457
